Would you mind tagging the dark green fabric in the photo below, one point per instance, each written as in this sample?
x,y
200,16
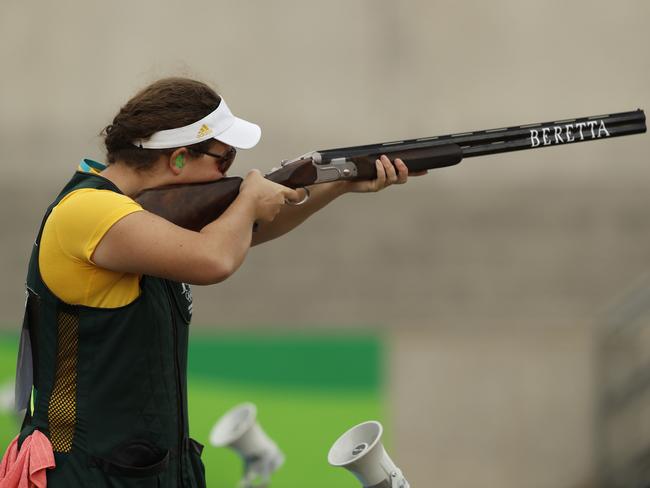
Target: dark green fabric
x,y
131,393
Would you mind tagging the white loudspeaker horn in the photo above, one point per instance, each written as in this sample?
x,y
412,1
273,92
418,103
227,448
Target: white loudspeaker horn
x,y
239,430
361,452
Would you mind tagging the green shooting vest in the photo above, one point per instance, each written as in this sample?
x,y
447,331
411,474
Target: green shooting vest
x,y
110,385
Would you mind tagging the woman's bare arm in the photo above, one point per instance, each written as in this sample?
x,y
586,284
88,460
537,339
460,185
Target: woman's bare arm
x,y
143,243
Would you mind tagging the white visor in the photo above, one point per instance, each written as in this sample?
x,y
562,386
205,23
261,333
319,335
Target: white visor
x,y
221,125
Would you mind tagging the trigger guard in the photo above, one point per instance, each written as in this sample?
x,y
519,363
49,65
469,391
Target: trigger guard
x,y
301,202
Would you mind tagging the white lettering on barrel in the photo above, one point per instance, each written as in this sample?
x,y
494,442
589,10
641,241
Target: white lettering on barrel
x,y
592,124
534,138
602,128
569,136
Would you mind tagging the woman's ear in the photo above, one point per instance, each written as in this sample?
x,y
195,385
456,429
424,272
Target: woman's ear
x,y
177,160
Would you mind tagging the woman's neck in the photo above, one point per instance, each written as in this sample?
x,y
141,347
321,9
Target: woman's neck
x,y
131,181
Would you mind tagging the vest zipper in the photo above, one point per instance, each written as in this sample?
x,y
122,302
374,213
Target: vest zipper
x,y
178,385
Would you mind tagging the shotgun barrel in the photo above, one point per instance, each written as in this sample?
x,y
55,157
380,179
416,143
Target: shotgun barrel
x,y
506,139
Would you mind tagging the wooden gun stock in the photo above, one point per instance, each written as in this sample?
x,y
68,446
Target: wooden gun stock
x,y
192,206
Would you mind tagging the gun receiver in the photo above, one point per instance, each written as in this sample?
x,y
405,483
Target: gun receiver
x,y
194,206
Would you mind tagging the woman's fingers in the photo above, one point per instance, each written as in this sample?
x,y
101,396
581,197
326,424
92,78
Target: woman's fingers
x,y
402,171
380,182
387,174
296,197
391,174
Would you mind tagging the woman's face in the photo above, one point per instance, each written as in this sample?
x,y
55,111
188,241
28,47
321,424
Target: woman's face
x,y
208,167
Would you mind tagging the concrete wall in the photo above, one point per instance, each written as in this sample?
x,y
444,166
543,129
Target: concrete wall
x,y
498,405
527,246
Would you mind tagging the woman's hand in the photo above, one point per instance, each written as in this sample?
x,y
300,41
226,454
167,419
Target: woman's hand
x,y
266,196
387,175
322,194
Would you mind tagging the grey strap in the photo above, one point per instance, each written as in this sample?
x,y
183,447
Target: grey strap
x,y
24,371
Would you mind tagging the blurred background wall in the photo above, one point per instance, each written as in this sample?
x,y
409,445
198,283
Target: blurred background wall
x,y
490,278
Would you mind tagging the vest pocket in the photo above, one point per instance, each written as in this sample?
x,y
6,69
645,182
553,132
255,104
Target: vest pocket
x,y
134,459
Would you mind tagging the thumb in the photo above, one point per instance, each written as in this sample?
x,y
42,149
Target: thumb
x,y
292,196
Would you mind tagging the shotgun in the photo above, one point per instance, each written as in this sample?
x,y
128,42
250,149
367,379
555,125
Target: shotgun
x,y
195,205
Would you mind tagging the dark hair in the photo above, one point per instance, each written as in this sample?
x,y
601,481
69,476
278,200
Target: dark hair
x,y
165,104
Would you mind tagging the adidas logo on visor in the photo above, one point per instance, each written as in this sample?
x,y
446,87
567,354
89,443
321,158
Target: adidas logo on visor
x,y
204,131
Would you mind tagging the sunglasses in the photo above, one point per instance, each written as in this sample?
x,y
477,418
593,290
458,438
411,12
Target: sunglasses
x,y
225,160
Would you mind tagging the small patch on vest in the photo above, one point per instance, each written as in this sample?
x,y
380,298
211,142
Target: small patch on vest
x,y
187,293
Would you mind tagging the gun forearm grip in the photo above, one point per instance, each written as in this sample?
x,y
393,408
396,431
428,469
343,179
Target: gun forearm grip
x,y
416,159
430,158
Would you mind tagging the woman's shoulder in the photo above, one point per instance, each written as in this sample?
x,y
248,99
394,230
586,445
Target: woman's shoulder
x,y
83,216
71,233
